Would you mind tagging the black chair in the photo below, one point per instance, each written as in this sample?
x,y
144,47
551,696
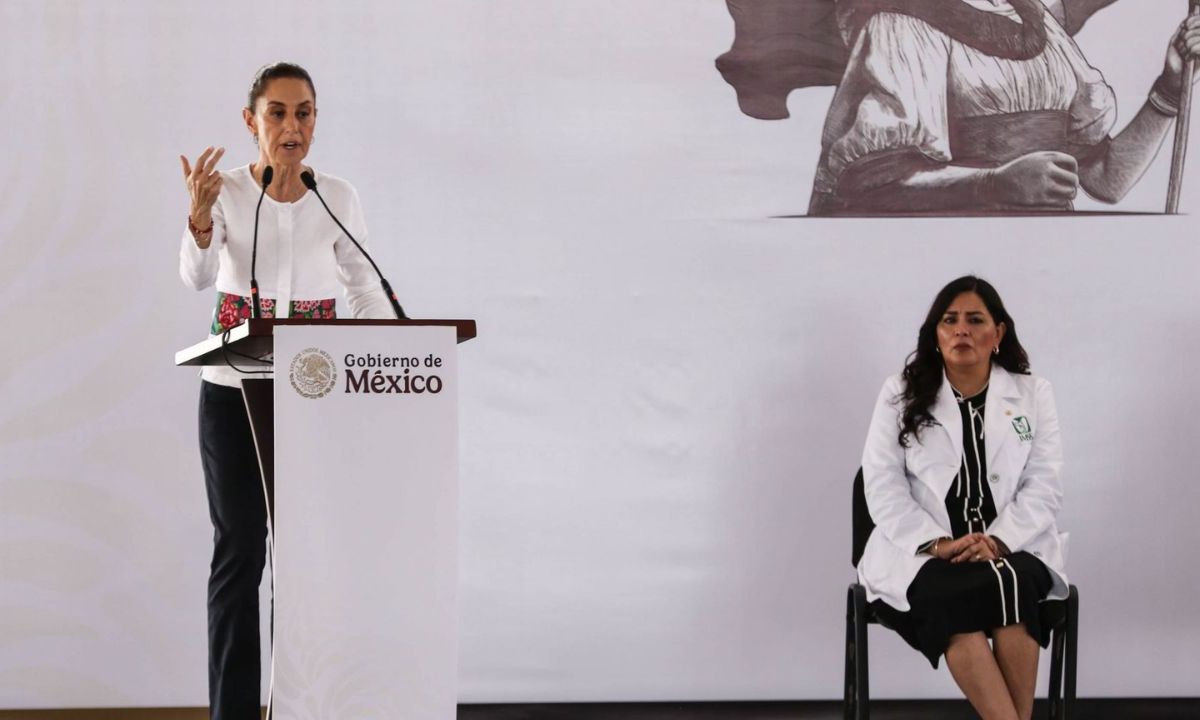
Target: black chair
x,y
1061,615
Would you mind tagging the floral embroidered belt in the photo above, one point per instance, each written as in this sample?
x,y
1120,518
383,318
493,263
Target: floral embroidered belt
x,y
232,309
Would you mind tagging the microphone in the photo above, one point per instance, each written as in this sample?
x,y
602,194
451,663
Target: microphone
x,y
256,309
310,182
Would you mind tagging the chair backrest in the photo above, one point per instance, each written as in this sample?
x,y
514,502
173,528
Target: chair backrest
x,y
862,524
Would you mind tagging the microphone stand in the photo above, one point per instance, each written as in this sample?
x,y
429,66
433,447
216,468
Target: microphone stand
x,y
255,308
310,182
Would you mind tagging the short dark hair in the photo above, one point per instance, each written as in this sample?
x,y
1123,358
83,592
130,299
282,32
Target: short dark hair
x,y
267,73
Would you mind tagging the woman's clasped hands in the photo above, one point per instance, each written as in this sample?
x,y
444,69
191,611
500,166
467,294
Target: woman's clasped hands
x,y
973,547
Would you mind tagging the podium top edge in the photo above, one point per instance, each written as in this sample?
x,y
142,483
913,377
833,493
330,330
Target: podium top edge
x,y
258,334
265,326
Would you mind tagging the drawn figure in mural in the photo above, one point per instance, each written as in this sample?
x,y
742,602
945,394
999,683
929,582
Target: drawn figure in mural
x,y
952,106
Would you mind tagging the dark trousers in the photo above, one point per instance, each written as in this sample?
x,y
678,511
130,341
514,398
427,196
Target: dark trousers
x,y
239,517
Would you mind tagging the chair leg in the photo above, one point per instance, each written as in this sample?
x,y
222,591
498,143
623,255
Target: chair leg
x,y
1056,673
1072,653
848,686
862,685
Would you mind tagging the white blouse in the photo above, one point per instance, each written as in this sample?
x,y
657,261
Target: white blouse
x,y
302,254
906,79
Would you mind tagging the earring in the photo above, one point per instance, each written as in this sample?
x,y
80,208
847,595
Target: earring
x,y
996,350
255,139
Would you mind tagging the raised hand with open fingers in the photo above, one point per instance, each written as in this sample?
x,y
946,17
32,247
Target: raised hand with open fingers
x,y
204,186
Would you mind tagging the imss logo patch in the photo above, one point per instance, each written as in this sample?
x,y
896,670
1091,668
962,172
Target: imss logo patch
x,y
313,373
1024,431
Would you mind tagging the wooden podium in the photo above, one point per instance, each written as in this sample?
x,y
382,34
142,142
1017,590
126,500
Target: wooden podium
x,y
360,426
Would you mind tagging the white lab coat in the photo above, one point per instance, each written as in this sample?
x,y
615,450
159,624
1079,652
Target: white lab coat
x,y
906,487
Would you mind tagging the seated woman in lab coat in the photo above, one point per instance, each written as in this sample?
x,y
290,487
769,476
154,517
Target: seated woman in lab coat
x,y
961,475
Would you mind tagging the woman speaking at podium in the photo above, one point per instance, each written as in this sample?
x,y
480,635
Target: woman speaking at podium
x,y
961,477
300,260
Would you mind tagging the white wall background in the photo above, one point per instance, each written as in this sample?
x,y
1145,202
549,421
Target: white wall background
x,y
668,396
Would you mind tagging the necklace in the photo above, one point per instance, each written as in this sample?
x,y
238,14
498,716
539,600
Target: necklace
x,y
960,397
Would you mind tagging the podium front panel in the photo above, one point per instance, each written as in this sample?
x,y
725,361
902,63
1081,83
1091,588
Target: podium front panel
x,y
366,522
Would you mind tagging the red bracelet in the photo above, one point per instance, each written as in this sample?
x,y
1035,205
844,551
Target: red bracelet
x,y
197,231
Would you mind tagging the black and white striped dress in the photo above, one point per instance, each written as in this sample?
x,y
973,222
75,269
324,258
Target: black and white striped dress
x,y
949,599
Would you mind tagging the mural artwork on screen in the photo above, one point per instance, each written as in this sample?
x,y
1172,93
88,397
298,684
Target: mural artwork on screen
x,y
950,107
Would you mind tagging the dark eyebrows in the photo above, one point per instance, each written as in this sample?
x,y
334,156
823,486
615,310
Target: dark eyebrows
x,y
967,313
306,103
